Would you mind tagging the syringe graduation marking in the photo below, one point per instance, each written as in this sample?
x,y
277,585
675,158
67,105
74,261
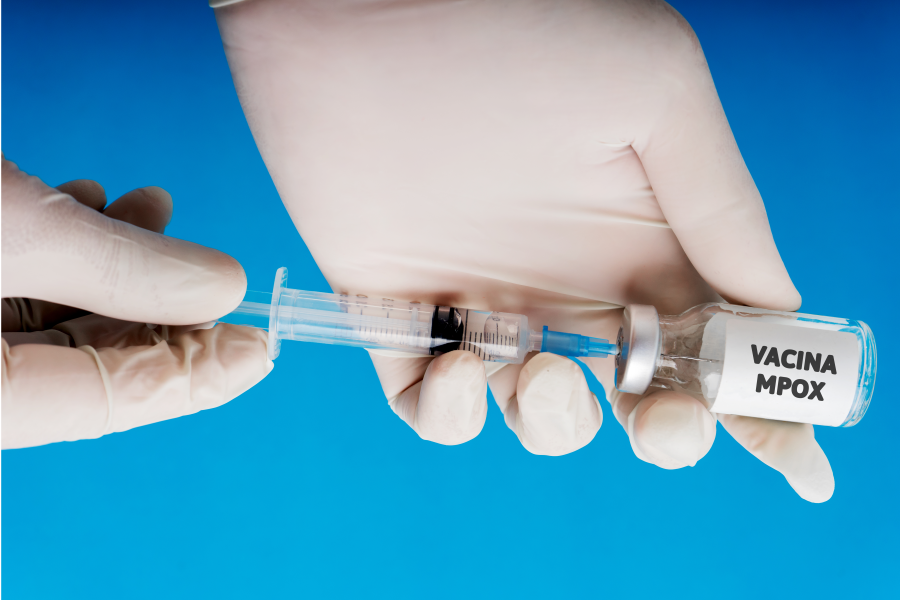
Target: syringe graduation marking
x,y
357,321
487,345
305,321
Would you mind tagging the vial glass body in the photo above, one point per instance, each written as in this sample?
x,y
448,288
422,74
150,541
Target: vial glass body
x,y
768,364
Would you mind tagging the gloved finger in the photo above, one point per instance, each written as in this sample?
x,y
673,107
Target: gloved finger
x,y
26,315
445,399
98,331
397,374
703,186
58,250
667,429
49,337
503,384
789,448
86,191
53,394
149,208
551,409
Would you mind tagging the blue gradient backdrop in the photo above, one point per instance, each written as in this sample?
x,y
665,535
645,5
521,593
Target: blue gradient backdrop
x,y
309,486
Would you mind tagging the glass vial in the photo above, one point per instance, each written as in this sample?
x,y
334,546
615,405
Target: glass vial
x,y
753,362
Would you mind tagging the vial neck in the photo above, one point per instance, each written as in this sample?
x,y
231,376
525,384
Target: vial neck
x,y
680,366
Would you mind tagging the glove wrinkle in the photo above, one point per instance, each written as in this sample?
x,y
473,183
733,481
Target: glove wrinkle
x,y
104,332
107,386
51,337
511,415
28,315
404,404
6,387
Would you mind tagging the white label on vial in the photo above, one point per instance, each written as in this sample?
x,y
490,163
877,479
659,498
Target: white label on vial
x,y
788,372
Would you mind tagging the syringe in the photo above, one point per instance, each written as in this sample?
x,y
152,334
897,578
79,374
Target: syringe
x,y
402,326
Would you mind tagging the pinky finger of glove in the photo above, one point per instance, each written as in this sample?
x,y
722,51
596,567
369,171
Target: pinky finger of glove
x,y
789,448
449,404
53,394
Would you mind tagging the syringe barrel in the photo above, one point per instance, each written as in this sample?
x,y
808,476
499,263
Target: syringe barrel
x,y
383,324
355,321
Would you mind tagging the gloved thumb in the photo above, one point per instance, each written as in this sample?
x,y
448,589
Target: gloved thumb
x,y
59,250
704,188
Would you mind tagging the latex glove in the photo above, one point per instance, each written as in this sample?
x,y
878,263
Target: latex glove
x,y
69,374
554,158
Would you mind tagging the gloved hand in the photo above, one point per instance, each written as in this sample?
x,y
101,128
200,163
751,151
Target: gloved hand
x,y
557,159
84,291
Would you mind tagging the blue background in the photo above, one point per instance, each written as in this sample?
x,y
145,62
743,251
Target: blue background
x,y
308,485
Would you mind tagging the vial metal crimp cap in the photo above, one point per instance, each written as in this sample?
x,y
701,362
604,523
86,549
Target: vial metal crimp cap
x,y
639,342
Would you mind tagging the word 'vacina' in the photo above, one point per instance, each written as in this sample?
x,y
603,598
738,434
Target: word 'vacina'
x,y
796,356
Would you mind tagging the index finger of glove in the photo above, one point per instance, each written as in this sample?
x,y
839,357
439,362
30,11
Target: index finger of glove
x,y
24,315
148,208
53,394
59,250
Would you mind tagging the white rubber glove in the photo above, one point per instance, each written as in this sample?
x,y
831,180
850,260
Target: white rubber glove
x,y
554,158
69,374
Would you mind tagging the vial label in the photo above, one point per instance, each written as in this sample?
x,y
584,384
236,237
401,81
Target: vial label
x,y
788,372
